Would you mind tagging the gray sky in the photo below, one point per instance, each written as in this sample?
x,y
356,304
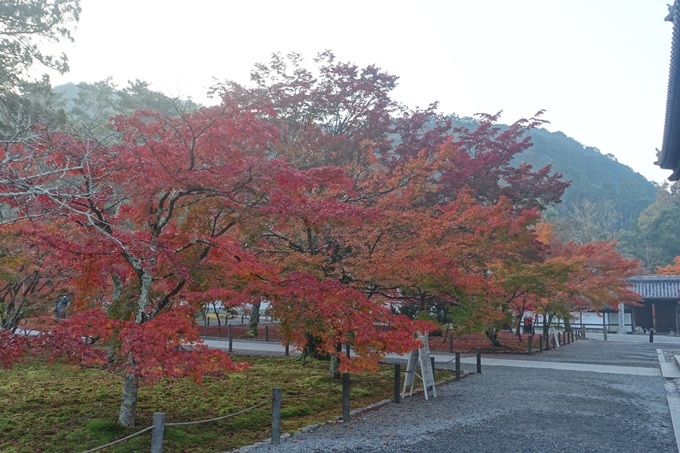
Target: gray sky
x,y
598,67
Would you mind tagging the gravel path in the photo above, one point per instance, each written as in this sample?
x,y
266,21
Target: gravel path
x,y
517,409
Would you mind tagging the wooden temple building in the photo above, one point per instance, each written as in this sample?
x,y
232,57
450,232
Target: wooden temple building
x,y
660,304
669,156
661,294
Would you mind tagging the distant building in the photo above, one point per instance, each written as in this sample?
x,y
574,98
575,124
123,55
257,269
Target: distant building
x,y
660,305
669,156
661,292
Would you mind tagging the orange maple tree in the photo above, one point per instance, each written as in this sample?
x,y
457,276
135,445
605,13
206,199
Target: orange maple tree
x,y
590,276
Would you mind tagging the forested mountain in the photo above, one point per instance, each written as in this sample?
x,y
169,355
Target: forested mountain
x,y
595,177
94,103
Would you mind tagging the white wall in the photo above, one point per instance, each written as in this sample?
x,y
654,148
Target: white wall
x,y
593,321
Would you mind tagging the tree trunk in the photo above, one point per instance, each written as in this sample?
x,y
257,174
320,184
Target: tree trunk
x,y
117,287
146,281
335,363
128,406
311,351
567,324
254,320
446,333
518,332
493,338
217,315
547,320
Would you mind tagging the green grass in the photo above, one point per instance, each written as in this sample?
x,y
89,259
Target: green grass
x,y
57,408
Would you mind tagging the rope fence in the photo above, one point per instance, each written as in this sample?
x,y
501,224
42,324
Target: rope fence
x,y
224,417
159,425
306,395
158,428
110,444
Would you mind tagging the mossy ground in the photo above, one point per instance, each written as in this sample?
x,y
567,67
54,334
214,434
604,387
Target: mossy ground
x,y
55,408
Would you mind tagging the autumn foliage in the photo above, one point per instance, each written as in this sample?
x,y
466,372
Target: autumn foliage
x,y
313,190
671,269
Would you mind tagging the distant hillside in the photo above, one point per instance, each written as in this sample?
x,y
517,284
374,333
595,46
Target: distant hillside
x,y
595,176
69,91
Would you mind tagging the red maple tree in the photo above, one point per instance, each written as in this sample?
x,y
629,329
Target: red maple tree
x,y
315,191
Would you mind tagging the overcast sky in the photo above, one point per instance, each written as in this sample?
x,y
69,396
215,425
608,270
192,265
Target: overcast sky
x,y
598,67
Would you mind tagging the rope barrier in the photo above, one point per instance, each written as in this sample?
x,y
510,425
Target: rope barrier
x,y
444,363
120,440
305,395
219,418
302,395
386,376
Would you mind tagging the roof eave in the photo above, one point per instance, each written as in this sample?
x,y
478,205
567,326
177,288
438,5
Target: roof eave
x,y
668,157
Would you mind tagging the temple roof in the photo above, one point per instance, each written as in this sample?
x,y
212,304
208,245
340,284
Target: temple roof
x,y
656,286
669,156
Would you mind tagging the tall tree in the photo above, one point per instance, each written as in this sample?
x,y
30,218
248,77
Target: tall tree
x,y
177,211
401,163
156,210
596,273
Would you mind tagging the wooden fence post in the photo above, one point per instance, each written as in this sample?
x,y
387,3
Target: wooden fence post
x,y
397,383
157,432
345,397
457,365
276,415
479,360
231,338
